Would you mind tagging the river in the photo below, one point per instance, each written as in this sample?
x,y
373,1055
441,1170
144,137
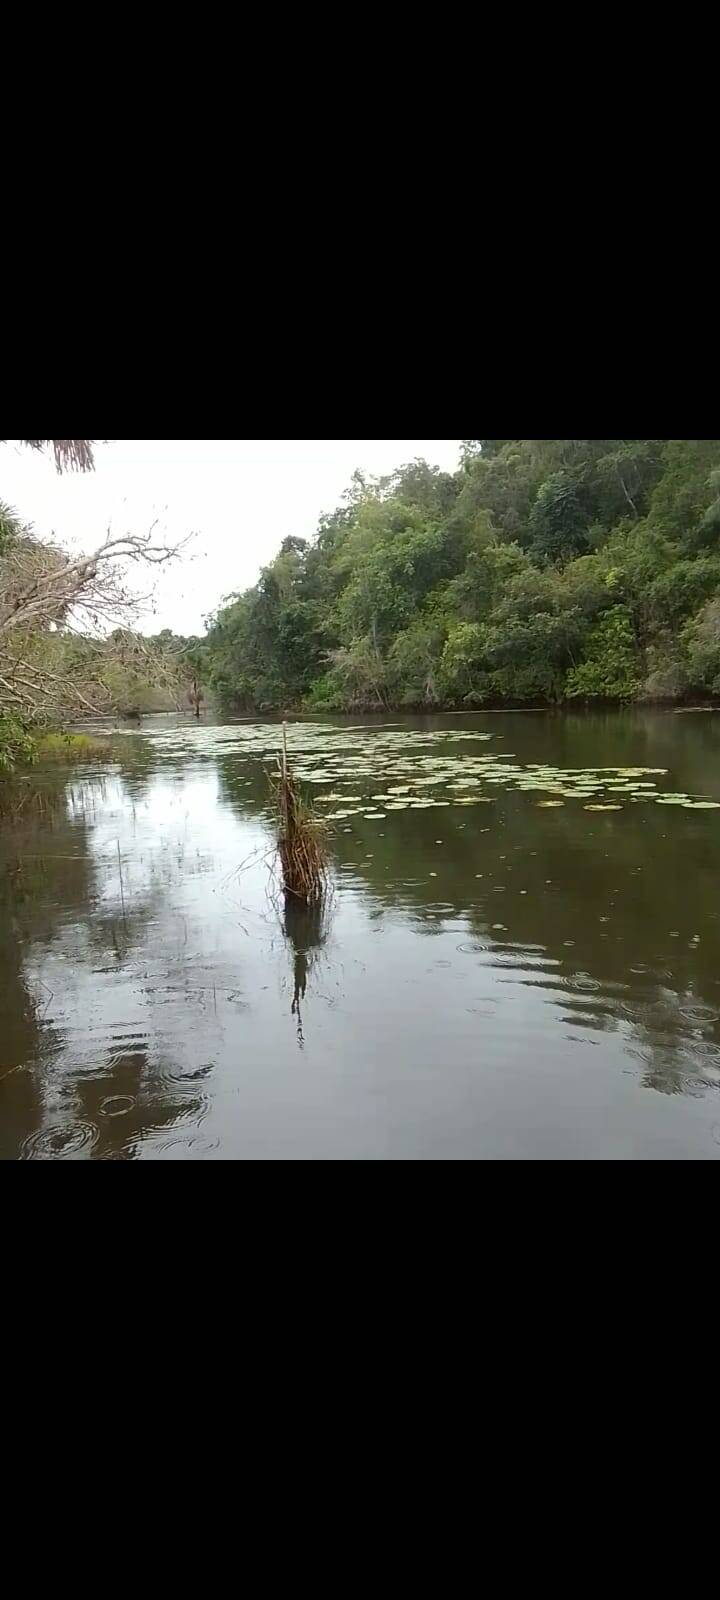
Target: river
x,y
519,957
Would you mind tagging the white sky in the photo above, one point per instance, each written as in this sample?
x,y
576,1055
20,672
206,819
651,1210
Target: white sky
x,y
240,496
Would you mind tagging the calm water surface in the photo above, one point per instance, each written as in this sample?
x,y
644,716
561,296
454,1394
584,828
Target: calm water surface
x,y
501,979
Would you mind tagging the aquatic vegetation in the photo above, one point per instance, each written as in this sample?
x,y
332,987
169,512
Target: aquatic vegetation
x,y
301,845
378,771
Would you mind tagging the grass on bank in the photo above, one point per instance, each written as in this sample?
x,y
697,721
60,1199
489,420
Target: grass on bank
x,y
68,747
23,747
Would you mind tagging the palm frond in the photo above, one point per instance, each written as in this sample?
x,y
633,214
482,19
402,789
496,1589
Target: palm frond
x,y
73,455
10,525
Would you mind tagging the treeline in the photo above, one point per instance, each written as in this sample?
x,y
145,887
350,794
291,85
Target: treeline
x,y
76,677
543,571
133,675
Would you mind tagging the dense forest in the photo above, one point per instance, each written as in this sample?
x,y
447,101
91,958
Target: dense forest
x,y
543,571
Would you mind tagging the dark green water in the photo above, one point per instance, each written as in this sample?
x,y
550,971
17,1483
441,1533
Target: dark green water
x,y
497,980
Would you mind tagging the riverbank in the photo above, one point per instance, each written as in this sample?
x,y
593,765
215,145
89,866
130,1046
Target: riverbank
x,y
21,748
370,708
69,747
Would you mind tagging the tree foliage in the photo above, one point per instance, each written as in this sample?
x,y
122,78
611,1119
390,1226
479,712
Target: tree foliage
x,y
543,570
66,646
16,743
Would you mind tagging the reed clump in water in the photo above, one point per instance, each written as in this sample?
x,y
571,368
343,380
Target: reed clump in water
x,y
301,838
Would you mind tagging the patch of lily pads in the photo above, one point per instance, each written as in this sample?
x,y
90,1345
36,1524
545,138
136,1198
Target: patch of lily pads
x,y
376,770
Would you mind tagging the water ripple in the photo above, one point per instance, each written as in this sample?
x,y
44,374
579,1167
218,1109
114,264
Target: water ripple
x,y
117,1105
64,1142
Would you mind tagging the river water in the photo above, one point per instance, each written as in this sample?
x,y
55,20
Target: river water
x,y
506,967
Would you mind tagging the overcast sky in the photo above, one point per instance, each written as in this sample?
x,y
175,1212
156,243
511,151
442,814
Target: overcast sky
x,y
240,496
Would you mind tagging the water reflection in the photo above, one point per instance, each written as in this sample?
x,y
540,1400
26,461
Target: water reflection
x,y
499,981
112,1109
575,907
306,929
71,1084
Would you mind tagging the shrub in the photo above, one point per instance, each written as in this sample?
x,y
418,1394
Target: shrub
x,y
17,746
612,669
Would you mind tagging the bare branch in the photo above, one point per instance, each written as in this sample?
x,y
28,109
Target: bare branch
x,y
58,615
40,585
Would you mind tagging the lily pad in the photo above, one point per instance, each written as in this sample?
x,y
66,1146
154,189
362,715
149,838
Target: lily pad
x,y
350,799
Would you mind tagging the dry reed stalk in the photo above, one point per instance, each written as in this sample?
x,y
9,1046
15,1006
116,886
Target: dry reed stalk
x,y
301,843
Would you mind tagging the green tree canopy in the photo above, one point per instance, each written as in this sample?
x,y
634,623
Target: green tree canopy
x,y
544,569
